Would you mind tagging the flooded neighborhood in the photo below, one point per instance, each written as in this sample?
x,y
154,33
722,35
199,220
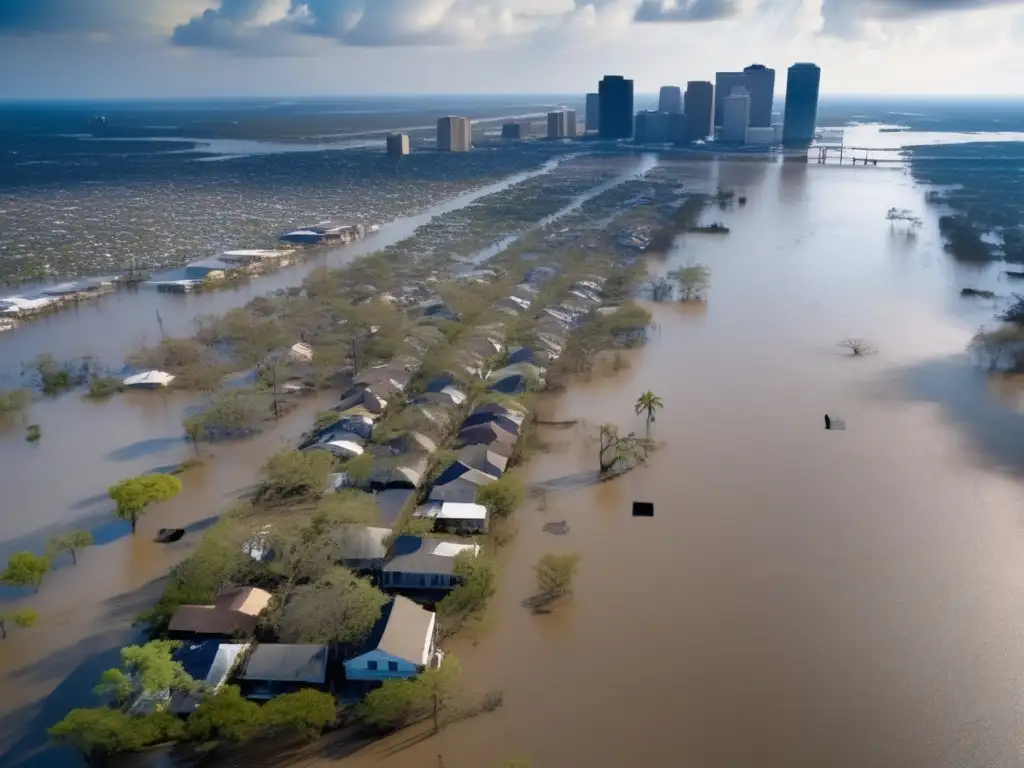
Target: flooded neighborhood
x,y
452,474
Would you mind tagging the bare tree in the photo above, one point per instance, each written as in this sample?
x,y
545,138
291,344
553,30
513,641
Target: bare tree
x,y
857,347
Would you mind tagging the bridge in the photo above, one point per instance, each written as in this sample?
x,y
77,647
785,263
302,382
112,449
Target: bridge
x,y
858,155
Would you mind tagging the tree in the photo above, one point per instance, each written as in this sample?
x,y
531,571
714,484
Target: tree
x,y
617,450
1015,312
132,496
290,473
661,289
340,608
13,400
856,347
304,713
693,281
70,543
225,715
647,404
477,584
503,496
437,686
104,386
359,469
555,573
145,668
101,733
23,618
391,706
25,569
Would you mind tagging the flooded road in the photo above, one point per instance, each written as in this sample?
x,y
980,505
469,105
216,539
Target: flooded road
x,y
111,327
802,598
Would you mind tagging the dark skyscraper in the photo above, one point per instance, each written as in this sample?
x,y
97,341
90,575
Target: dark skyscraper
x,y
724,83
802,82
670,99
616,107
699,106
761,87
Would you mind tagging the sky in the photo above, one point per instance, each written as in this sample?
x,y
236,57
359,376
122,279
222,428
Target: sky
x,y
180,48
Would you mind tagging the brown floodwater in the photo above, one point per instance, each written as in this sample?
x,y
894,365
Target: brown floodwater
x,y
802,597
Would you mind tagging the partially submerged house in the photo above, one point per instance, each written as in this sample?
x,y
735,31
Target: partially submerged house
x,y
423,564
148,380
454,517
401,644
274,669
234,613
360,397
347,447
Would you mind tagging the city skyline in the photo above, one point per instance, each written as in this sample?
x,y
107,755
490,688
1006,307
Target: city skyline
x,y
167,48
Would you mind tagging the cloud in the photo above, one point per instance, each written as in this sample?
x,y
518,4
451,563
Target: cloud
x,y
845,18
92,17
684,11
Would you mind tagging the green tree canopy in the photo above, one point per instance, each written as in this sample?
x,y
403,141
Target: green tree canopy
x,y
225,715
24,618
98,734
555,573
503,496
304,713
13,400
399,702
477,583
71,543
290,473
340,608
147,669
25,569
135,494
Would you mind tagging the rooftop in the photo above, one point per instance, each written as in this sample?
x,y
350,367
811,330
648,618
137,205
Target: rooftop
x,y
404,630
287,663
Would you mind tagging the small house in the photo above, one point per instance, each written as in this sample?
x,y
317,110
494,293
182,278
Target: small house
x,y
487,434
360,547
274,669
423,564
454,517
234,613
458,490
209,662
344,449
481,458
361,398
500,419
401,644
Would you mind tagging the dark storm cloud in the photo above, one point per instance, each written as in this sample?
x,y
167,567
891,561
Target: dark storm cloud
x,y
28,17
842,18
683,11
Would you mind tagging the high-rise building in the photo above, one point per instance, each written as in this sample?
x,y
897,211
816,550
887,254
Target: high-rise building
x,y
651,127
724,83
699,107
593,111
616,108
670,99
735,116
801,115
569,116
398,144
454,134
677,128
760,84
562,124
515,130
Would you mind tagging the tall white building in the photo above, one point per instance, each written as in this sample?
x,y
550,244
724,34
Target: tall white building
x,y
570,122
593,116
454,134
398,144
736,116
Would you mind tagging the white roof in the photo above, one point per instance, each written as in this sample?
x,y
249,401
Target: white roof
x,y
458,397
451,510
256,253
450,548
302,350
345,445
149,379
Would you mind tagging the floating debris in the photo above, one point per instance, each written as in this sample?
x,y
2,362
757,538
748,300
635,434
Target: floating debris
x,y
559,529
832,424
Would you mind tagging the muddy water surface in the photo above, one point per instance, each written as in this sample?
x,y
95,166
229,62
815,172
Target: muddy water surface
x,y
802,598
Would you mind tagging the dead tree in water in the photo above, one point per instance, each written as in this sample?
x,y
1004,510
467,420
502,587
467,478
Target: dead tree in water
x,y
857,347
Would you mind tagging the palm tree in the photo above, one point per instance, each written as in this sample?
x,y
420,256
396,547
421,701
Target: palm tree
x,y
647,404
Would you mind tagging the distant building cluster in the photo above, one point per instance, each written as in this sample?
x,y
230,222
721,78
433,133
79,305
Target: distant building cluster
x,y
736,109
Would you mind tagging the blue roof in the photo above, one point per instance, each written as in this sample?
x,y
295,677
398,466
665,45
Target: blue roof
x,y
197,658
